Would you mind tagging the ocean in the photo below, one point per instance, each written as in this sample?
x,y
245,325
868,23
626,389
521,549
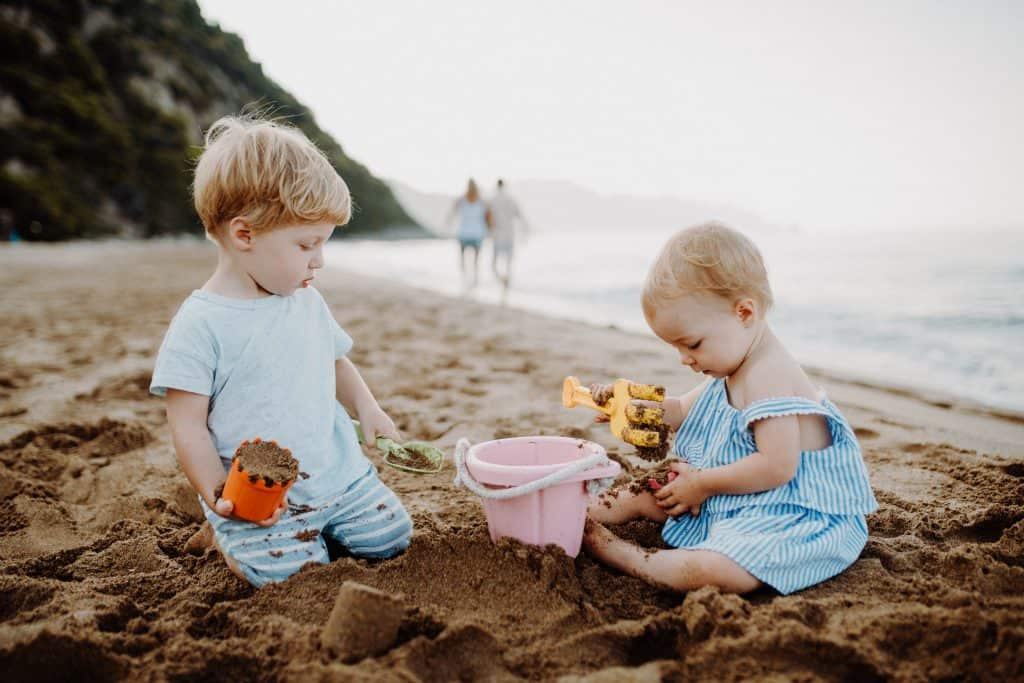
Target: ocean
x,y
913,310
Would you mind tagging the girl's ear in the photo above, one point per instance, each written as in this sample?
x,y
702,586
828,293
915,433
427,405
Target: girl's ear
x,y
240,234
746,311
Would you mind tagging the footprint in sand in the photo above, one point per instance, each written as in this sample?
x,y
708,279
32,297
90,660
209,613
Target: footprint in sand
x,y
12,411
523,368
134,387
988,525
864,433
894,423
66,652
43,453
1014,469
13,380
450,363
416,393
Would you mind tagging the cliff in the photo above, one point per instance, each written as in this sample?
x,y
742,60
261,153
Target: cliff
x,y
102,108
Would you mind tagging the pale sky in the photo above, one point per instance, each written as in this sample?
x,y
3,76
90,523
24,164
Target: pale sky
x,y
828,115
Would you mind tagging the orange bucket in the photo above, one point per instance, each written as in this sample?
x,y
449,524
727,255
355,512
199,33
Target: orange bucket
x,y
254,501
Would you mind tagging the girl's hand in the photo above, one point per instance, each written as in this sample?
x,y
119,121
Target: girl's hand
x,y
225,508
601,393
375,422
685,493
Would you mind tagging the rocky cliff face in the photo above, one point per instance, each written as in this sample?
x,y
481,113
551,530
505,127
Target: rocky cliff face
x,y
102,108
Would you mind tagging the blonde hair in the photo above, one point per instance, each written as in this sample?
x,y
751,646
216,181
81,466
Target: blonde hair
x,y
709,258
267,173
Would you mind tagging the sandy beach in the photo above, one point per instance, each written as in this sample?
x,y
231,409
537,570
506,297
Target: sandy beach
x,y
97,581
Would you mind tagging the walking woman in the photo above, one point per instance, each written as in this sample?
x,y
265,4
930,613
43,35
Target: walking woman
x,y
474,219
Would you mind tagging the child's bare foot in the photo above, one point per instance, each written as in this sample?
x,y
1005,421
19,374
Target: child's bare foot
x,y
626,557
679,570
609,548
200,541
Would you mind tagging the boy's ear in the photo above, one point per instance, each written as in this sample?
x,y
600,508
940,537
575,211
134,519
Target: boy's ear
x,y
746,310
240,234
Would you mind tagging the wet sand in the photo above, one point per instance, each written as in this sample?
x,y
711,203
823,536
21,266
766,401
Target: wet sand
x,y
97,581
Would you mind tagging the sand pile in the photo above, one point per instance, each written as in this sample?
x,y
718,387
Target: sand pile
x,y
267,461
95,578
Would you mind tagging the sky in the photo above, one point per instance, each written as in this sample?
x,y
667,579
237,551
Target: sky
x,y
829,116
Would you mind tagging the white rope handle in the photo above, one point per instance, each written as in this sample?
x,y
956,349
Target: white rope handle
x,y
464,479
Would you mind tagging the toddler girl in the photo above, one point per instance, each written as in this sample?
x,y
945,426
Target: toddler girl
x,y
771,486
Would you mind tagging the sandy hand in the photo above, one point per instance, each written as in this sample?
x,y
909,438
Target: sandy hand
x,y
602,393
655,486
225,508
682,493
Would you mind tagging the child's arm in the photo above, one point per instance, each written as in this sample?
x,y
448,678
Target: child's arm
x,y
775,463
357,398
186,415
677,408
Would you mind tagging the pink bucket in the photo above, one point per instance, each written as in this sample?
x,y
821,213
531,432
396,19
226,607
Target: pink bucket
x,y
555,514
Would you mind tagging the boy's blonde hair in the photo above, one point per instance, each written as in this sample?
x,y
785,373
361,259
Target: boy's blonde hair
x,y
710,258
268,174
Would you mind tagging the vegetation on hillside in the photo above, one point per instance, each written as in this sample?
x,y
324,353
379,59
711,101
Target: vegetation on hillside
x,y
102,108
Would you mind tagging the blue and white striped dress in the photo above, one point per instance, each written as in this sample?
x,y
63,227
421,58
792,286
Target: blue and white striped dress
x,y
789,537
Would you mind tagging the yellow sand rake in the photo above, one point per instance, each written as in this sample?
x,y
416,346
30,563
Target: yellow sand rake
x,y
639,425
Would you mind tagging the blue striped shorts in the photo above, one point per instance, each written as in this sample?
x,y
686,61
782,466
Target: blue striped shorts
x,y
367,518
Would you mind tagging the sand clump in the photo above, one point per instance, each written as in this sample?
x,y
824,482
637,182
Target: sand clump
x,y
364,622
637,480
656,453
97,576
658,473
414,456
266,460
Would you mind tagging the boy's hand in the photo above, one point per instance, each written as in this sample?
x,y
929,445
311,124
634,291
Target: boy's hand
x,y
685,493
225,508
375,422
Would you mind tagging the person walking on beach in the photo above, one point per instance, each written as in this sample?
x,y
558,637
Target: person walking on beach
x,y
256,352
507,223
770,486
474,220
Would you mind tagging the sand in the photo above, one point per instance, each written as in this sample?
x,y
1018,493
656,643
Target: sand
x,y
267,461
96,581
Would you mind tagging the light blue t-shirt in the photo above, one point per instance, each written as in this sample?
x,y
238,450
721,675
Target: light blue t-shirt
x,y
472,220
268,367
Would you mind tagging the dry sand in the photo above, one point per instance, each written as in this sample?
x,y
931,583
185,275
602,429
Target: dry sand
x,y
96,582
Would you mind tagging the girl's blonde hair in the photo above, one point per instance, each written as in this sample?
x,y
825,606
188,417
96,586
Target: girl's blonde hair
x,y
267,173
709,258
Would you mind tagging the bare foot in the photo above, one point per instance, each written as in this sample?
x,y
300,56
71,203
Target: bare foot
x,y
623,555
200,541
597,538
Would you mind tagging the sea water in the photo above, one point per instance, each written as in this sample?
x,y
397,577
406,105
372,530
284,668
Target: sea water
x,y
934,311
